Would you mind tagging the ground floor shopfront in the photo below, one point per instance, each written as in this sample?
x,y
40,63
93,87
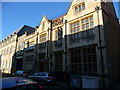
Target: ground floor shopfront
x,y
84,60
80,59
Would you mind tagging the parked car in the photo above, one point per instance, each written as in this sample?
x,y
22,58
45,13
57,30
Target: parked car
x,y
21,73
19,83
18,73
43,78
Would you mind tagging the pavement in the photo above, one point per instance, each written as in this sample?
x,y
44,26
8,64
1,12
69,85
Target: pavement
x,y
64,85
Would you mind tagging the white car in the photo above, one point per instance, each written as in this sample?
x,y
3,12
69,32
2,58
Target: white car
x,y
43,78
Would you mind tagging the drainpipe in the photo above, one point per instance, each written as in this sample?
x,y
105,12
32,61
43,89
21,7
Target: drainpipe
x,y
66,52
48,51
36,50
50,45
97,8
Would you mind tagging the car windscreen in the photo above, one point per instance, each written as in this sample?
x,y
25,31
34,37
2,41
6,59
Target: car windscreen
x,y
42,74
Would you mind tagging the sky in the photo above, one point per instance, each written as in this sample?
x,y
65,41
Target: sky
x,y
17,14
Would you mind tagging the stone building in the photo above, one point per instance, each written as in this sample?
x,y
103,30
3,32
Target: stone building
x,y
84,40
7,50
11,49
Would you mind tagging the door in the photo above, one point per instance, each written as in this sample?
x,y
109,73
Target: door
x,y
42,67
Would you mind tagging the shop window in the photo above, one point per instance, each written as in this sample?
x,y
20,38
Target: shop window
x,y
84,60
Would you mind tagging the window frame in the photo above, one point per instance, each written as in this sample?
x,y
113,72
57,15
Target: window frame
x,y
84,23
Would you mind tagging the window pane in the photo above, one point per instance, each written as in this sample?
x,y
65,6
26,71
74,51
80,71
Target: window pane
x,y
80,8
75,24
83,27
91,18
72,30
87,26
83,6
70,25
76,10
85,67
86,20
78,28
91,24
83,21
75,29
78,23
95,67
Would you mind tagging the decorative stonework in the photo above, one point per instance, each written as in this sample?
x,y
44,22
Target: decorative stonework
x,y
57,22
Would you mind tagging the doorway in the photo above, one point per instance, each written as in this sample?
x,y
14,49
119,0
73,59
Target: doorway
x,y
41,66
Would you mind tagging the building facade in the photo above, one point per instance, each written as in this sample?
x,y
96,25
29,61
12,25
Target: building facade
x,y
7,50
84,40
11,50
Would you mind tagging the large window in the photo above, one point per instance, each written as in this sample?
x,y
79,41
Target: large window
x,y
58,36
58,61
76,60
87,23
89,59
75,27
84,60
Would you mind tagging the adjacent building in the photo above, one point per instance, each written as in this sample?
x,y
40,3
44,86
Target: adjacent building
x,y
11,49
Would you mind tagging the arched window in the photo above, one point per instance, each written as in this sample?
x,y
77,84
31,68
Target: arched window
x,y
7,50
11,49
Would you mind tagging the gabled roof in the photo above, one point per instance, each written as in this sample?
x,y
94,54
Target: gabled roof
x,y
24,29
69,7
58,18
44,16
